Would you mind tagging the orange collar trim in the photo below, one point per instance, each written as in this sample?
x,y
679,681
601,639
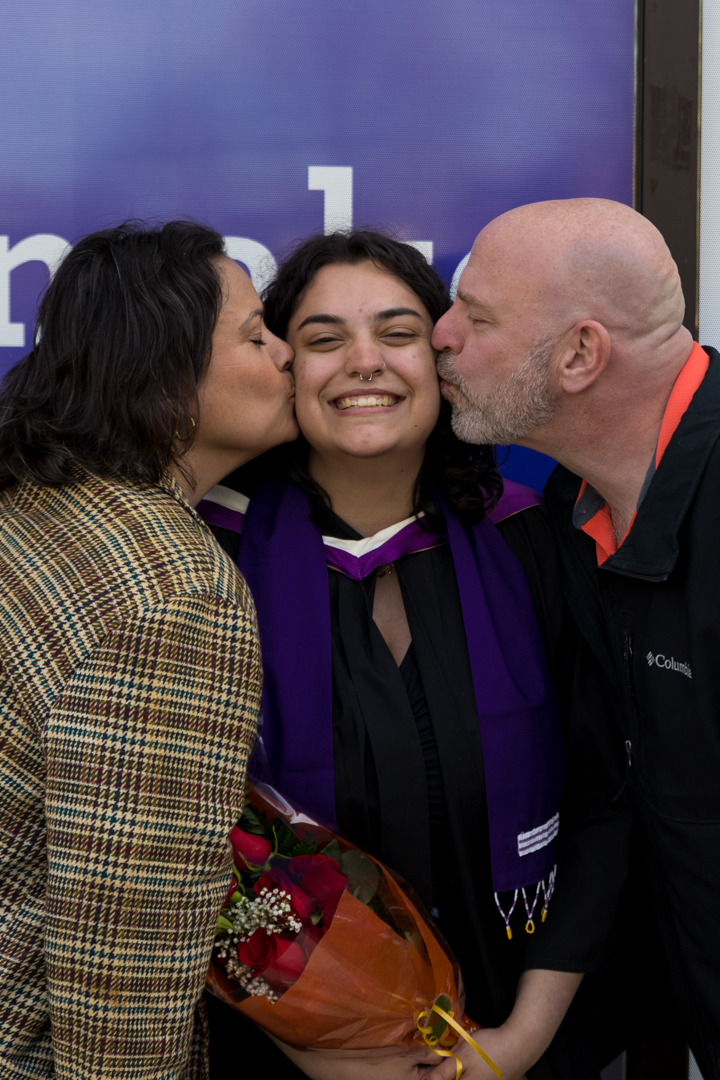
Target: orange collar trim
x,y
598,524
683,391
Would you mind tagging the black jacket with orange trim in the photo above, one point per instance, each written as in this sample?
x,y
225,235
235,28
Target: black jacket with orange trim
x,y
650,765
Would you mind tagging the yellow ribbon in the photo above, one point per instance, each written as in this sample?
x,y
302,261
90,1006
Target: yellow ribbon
x,y
432,1040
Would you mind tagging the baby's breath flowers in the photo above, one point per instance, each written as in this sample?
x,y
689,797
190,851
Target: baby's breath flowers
x,y
280,901
271,910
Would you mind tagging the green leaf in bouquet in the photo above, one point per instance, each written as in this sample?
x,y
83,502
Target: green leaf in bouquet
x,y
333,851
363,874
284,838
437,1025
303,848
378,905
223,924
415,938
408,929
250,821
249,878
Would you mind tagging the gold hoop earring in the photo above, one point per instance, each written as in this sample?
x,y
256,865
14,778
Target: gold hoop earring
x,y
185,437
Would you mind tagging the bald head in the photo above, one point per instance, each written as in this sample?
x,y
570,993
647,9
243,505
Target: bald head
x,y
576,259
567,312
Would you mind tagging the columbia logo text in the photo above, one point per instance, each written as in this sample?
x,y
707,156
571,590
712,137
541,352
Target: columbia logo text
x,y
669,663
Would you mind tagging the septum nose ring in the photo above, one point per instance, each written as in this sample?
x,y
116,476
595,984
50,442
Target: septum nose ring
x,y
370,377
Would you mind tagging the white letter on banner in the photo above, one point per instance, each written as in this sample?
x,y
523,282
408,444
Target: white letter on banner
x,y
43,247
337,183
259,260
456,277
425,247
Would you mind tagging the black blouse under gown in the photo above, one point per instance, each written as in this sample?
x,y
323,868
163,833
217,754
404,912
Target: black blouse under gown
x,y
409,780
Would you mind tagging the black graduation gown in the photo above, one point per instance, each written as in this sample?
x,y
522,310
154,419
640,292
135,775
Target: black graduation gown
x,y
409,778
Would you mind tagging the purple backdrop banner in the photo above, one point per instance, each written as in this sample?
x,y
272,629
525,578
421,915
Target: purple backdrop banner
x,y
272,119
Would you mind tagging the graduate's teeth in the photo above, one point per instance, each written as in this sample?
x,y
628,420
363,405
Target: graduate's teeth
x,y
366,402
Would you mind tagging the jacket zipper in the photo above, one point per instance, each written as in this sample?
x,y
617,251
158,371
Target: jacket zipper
x,y
628,659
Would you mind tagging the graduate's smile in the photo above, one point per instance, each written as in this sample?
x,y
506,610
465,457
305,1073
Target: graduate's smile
x,y
366,401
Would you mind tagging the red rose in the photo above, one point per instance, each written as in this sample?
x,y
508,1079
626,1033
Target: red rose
x,y
259,951
321,878
232,888
267,882
303,864
289,964
272,879
301,903
249,849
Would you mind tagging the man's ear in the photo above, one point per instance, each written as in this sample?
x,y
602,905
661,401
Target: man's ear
x,y
584,356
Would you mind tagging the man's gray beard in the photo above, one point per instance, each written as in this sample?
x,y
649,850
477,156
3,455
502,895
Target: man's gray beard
x,y
511,410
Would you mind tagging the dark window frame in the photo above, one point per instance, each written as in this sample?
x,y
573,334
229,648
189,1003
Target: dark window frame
x,y
667,132
668,72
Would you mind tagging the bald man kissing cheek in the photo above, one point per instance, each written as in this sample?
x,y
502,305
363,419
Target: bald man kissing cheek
x,y
567,337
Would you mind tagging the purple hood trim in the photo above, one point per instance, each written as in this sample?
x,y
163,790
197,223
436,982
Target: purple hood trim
x,y
410,539
413,537
515,497
215,514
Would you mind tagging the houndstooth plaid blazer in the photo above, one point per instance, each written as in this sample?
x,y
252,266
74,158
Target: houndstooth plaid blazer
x,y
130,684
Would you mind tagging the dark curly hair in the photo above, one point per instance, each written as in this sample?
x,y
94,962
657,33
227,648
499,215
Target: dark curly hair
x,y
111,382
465,475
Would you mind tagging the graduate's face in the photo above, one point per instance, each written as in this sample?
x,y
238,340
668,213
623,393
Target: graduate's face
x,y
362,321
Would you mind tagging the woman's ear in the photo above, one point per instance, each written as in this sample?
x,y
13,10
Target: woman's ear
x,y
584,357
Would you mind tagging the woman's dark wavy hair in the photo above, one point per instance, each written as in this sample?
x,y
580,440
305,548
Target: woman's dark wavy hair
x,y
122,341
465,475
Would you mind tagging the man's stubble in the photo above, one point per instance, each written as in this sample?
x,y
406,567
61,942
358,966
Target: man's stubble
x,y
511,410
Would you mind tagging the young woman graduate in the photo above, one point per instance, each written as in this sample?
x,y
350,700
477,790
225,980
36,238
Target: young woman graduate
x,y
406,604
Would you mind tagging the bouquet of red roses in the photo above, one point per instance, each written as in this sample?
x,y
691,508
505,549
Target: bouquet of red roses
x,y
324,948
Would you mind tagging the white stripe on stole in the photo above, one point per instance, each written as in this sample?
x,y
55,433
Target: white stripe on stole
x,y
539,837
234,500
225,496
358,548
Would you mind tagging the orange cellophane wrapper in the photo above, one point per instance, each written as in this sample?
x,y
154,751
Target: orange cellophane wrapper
x,y
364,984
